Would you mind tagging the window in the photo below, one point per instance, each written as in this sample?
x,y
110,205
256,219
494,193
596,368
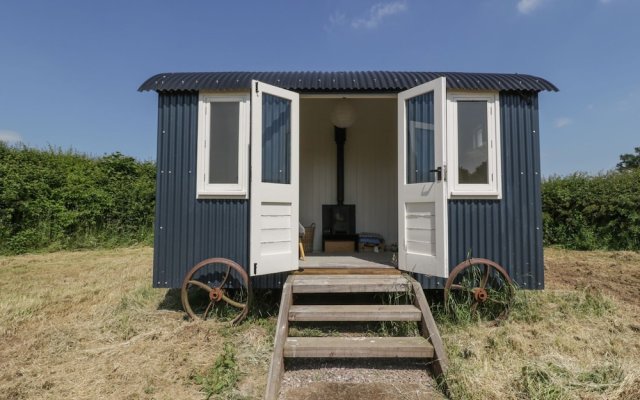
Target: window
x,y
474,145
223,138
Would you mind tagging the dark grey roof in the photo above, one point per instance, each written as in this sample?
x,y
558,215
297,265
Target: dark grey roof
x,y
349,81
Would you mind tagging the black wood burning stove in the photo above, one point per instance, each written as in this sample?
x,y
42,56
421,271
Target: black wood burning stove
x,y
339,220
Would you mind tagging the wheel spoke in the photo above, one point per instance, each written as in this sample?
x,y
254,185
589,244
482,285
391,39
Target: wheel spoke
x,y
498,301
226,276
233,302
201,285
206,311
459,287
485,276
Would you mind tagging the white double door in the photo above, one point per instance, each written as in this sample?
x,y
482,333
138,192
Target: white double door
x,y
274,197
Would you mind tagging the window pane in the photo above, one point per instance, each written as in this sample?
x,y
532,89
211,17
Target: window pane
x,y
223,142
276,139
473,149
420,139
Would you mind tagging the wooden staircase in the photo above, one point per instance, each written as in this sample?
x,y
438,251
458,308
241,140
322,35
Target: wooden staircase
x,y
428,346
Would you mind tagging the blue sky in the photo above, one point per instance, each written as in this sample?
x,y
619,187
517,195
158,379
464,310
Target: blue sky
x,y
69,70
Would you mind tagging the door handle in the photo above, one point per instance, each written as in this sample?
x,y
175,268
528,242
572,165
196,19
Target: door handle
x,y
438,172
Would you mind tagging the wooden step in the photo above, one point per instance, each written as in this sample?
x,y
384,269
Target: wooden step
x,y
357,347
349,283
355,313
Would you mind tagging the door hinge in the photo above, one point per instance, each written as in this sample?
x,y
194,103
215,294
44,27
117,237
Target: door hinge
x,y
257,91
255,268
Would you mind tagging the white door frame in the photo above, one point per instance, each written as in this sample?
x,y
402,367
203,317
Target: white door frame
x,y
274,206
422,207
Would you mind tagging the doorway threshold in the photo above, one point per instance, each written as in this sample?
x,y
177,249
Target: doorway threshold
x,y
351,260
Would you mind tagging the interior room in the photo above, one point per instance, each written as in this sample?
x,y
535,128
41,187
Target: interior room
x,y
370,174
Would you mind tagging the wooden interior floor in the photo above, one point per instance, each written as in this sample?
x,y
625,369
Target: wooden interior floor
x,y
348,260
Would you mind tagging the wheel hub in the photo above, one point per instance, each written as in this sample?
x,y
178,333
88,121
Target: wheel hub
x,y
480,295
216,294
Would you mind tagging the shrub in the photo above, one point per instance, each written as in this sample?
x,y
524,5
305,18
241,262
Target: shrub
x,y
586,212
62,199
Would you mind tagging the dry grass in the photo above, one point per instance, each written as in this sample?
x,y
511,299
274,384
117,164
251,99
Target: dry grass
x,y
579,339
89,325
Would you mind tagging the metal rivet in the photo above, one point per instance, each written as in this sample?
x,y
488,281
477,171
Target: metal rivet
x,y
189,171
162,172
169,171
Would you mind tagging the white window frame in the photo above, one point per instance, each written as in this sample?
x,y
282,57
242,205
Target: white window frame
x,y
492,190
206,190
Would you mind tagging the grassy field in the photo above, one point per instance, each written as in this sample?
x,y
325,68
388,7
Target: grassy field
x,y
88,325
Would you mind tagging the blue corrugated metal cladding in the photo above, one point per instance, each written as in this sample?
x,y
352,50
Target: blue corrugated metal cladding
x,y
187,230
508,231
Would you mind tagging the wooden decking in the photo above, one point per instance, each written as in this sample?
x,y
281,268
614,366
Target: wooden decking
x,y
349,283
428,346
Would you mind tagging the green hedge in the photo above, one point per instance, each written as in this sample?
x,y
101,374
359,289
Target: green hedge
x,y
54,199
593,212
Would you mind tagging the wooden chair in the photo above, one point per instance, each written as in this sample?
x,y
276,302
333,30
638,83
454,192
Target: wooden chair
x,y
301,233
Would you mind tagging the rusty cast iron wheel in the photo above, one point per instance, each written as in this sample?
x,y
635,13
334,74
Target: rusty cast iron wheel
x,y
216,287
481,284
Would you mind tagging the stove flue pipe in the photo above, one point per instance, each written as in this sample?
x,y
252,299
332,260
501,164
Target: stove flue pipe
x,y
341,138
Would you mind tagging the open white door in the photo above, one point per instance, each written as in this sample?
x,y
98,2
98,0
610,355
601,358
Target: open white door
x,y
274,179
422,206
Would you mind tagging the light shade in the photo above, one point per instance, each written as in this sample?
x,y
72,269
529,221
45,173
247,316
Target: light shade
x,y
343,114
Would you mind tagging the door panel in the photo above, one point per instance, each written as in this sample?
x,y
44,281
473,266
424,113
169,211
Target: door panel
x,y
274,179
422,207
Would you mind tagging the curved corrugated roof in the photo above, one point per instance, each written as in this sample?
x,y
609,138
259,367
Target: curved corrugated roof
x,y
348,81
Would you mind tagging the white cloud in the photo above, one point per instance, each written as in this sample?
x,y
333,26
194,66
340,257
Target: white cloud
x,y
377,13
527,6
562,122
336,19
10,136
